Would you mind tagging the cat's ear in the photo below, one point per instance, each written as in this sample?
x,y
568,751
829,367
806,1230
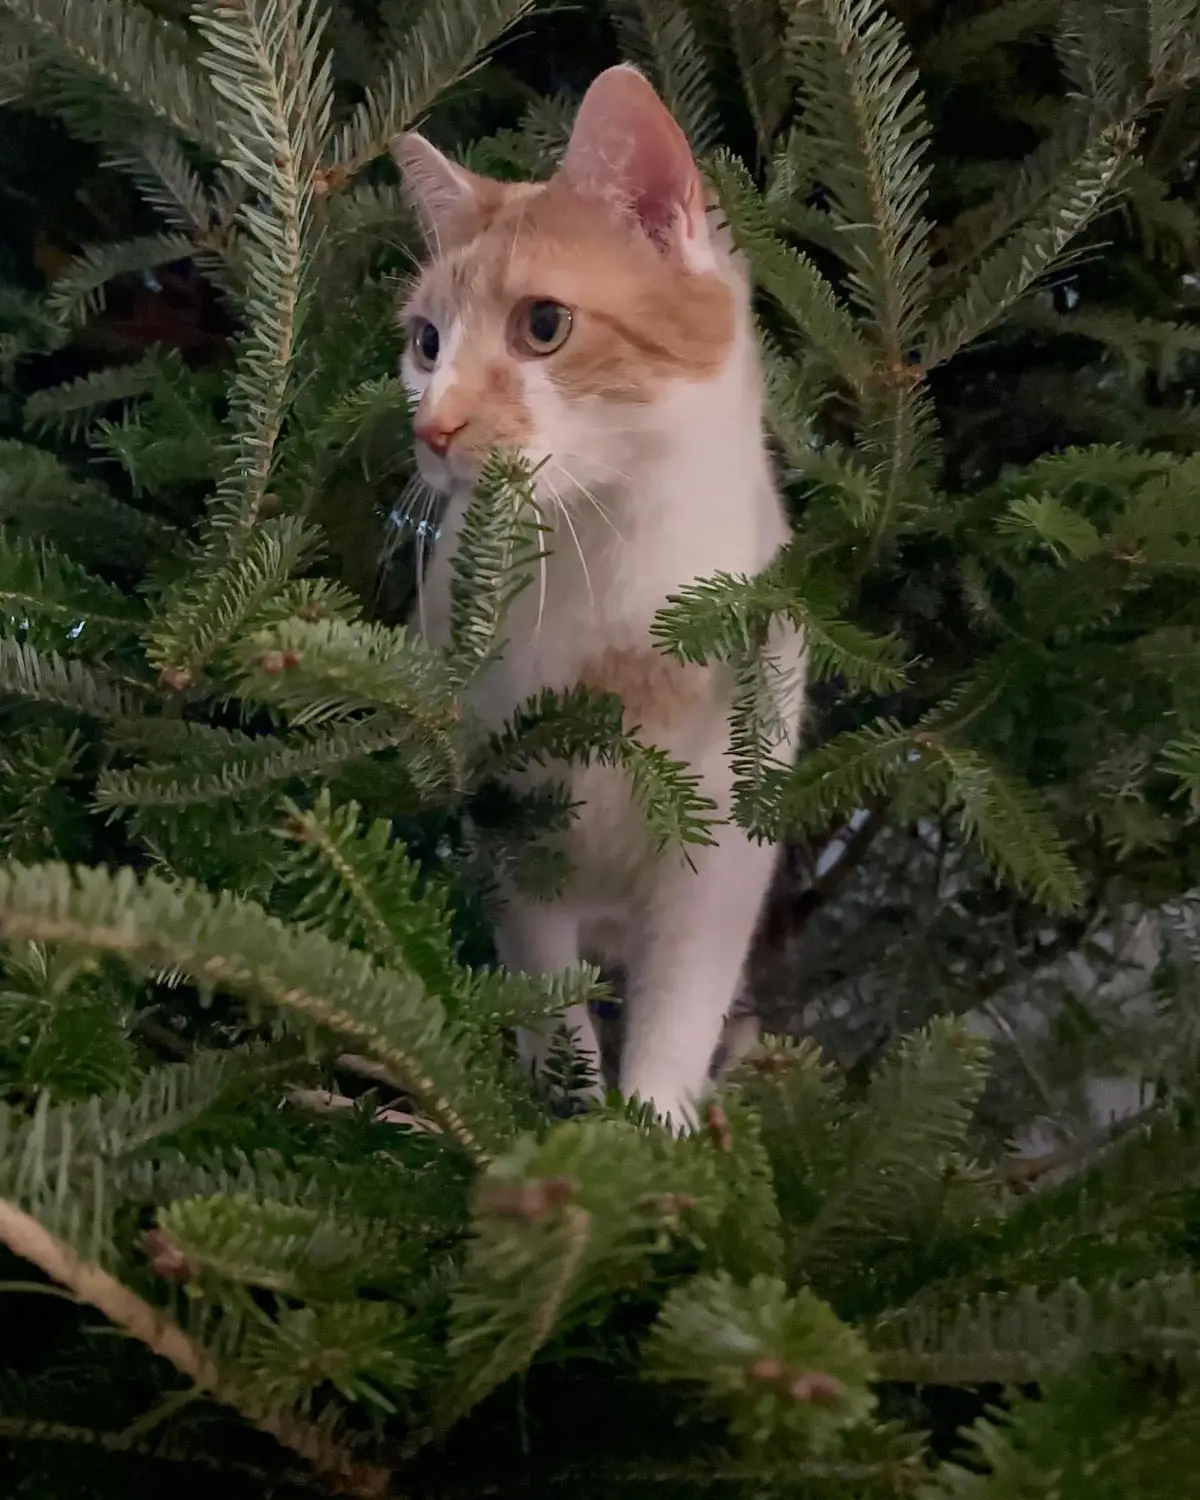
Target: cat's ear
x,y
440,190
627,151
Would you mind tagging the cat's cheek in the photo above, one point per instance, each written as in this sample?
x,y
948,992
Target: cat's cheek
x,y
550,421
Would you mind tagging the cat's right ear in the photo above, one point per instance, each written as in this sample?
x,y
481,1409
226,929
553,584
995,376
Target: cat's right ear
x,y
438,189
628,153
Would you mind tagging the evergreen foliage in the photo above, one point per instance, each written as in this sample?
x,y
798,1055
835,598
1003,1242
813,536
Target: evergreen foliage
x,y
262,1116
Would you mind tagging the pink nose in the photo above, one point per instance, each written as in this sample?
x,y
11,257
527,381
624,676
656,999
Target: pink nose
x,y
437,436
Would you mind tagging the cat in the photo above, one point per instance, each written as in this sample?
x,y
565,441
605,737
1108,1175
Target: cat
x,y
600,324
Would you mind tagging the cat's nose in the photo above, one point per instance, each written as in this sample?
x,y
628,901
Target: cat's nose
x,y
437,435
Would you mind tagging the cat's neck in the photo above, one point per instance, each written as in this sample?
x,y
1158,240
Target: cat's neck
x,y
708,435
700,493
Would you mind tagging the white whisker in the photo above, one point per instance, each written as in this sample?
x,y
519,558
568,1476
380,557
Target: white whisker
x,y
587,577
591,498
613,470
603,514
542,558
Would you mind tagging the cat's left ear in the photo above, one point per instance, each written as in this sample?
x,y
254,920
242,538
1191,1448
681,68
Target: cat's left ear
x,y
628,152
440,191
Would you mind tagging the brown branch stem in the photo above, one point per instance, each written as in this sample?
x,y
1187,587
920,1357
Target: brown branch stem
x,y
91,1284
1024,1172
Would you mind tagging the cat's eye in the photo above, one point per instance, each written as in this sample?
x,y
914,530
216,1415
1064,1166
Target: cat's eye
x,y
425,342
541,327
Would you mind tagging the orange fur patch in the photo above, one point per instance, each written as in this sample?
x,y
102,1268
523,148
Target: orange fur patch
x,y
640,320
485,406
656,690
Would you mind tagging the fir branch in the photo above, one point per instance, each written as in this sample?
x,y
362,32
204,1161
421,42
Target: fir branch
x,y
1156,527
366,891
96,1287
36,582
247,765
781,1369
315,1251
167,180
662,41
500,539
18,70
754,28
581,727
570,726
728,614
156,454
68,410
36,767
25,1237
677,812
212,611
999,814
1172,52
791,278
1047,522
898,437
960,43
1105,467
1165,224
328,670
757,729
1138,343
267,66
161,170
804,1116
63,1163
47,677
25,328
1098,47
154,924
534,149
367,218
384,399
1007,274
506,999
547,1282
581,1214
140,55
443,46
867,118
1094,1433
848,772
173,436
81,292
795,391
1016,1338
1181,759
846,485
977,230
914,1126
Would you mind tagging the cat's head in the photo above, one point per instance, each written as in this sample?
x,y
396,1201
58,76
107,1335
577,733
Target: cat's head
x,y
559,318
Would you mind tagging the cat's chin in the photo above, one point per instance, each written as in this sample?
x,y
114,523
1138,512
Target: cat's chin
x,y
438,474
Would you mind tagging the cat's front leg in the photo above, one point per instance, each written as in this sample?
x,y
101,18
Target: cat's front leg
x,y
537,937
686,969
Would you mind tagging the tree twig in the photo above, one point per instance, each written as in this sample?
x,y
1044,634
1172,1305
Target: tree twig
x,y
786,913
91,1284
1023,1172
324,1102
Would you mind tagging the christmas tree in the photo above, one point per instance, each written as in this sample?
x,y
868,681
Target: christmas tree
x,y
277,1205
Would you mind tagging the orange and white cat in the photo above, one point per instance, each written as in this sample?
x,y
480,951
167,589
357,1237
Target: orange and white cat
x,y
600,324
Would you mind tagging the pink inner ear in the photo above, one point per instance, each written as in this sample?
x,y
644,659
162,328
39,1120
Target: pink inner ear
x,y
627,150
